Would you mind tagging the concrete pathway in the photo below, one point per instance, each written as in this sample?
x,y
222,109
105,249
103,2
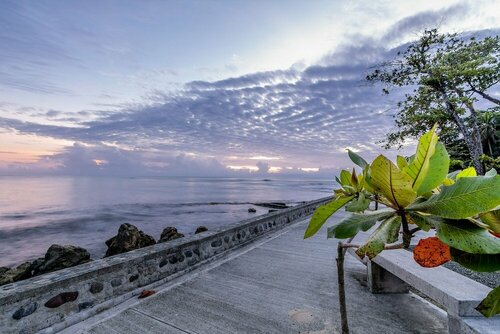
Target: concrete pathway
x,y
280,284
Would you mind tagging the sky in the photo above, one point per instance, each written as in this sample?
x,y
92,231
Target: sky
x,y
205,88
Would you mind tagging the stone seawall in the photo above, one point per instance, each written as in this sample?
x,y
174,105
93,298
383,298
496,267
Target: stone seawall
x,y
56,300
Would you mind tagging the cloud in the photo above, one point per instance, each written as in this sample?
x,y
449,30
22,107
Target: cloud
x,y
306,116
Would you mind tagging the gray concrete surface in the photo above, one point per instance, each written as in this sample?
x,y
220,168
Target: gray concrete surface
x,y
282,284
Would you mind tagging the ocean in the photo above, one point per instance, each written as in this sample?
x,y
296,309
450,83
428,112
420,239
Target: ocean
x,y
36,212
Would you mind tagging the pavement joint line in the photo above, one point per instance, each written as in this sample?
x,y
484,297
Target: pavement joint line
x,y
253,280
161,321
82,326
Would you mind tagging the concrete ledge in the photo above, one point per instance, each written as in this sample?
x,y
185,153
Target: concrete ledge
x,y
94,286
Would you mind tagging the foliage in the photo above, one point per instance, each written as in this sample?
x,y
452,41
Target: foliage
x,y
461,207
449,76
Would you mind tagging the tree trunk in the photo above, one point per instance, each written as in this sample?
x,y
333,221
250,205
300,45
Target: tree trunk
x,y
472,138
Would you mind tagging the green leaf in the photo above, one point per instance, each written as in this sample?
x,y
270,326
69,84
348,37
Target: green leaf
x,y
414,218
387,232
466,236
439,164
395,185
350,226
490,306
453,175
492,219
467,197
322,213
419,167
476,262
357,159
401,161
468,172
358,205
345,177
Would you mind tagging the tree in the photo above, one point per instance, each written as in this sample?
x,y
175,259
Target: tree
x,y
418,193
449,77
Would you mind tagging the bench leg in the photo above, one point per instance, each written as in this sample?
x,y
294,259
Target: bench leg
x,y
382,281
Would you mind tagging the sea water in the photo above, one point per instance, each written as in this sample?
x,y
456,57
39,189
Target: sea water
x,y
36,212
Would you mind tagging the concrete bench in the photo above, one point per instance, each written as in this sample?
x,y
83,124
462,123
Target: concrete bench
x,y
395,271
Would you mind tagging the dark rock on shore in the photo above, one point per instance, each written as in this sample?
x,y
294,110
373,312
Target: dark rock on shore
x,y
60,257
200,229
252,210
170,233
128,238
22,271
57,257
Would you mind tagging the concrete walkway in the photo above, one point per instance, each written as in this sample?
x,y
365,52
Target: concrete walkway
x,y
280,284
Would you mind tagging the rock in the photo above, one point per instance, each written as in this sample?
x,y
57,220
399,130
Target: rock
x,y
128,238
62,298
3,270
23,271
96,287
25,310
200,229
170,233
272,210
60,257
252,210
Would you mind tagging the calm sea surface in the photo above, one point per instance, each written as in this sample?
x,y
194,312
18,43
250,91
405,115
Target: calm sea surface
x,y
36,212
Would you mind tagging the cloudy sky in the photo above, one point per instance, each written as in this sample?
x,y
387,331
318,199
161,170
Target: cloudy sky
x,y
206,87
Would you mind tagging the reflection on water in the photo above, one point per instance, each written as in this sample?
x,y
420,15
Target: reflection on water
x,y
36,212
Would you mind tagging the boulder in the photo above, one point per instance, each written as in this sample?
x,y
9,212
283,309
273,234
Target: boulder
x,y
60,257
128,238
200,229
252,210
23,271
170,233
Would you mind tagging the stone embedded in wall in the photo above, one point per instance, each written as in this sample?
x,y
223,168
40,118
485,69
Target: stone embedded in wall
x,y
216,243
128,238
200,229
116,282
85,305
170,233
133,278
96,287
62,298
25,310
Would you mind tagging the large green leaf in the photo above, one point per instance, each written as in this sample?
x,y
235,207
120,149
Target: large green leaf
x,y
466,236
467,197
439,164
359,204
419,167
387,232
324,212
395,185
350,226
357,159
490,306
345,177
492,219
476,262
